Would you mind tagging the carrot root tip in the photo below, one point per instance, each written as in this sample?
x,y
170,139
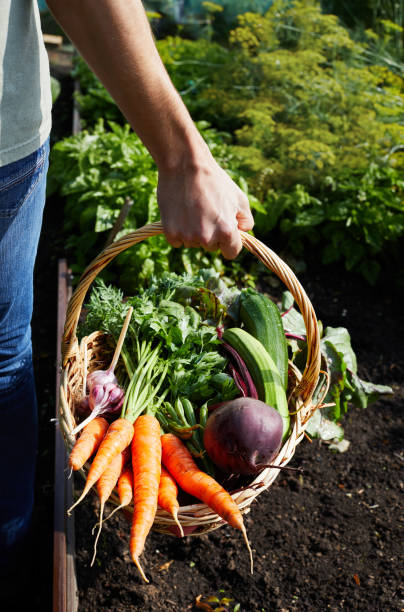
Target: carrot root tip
x,y
96,526
82,496
244,532
98,535
175,516
139,567
113,512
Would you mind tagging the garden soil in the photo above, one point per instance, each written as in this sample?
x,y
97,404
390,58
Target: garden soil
x,y
327,538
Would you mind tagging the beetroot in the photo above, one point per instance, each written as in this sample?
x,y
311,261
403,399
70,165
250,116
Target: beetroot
x,y
243,436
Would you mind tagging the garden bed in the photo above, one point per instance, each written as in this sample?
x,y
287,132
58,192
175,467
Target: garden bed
x,y
327,539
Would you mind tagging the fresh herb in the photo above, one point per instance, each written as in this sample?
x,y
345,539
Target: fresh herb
x,y
186,342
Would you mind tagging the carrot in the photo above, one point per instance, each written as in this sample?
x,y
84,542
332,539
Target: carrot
x,y
179,462
86,445
146,464
106,484
125,489
167,498
118,437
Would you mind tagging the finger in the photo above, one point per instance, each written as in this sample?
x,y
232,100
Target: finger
x,y
245,219
211,247
210,242
175,243
245,222
230,244
173,239
191,241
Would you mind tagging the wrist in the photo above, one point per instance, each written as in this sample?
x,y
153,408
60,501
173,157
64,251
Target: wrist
x,y
187,152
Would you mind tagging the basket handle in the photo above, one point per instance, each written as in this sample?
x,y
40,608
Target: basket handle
x,y
265,255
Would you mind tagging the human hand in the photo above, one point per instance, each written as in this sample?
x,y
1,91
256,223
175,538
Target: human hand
x,y
201,206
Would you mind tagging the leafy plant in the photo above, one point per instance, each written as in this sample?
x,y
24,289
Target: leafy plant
x,y
97,171
190,347
169,310
55,88
315,127
345,386
352,219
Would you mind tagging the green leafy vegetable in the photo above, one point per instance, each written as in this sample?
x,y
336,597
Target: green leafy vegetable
x,y
345,385
187,342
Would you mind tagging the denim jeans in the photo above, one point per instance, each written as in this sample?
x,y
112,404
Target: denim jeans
x,y
22,199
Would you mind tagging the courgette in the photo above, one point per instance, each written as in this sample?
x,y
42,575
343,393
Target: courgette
x,y
261,318
263,371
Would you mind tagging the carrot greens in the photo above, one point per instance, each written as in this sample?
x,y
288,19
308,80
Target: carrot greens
x,y
164,334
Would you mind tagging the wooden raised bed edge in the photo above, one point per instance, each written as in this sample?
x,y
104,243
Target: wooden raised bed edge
x,y
65,596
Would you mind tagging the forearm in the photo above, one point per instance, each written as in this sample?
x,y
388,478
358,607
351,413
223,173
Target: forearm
x,y
115,39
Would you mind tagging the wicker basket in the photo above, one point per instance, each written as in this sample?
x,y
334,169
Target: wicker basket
x,y
79,359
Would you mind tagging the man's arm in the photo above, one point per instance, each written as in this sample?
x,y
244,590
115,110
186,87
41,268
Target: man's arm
x,y
199,204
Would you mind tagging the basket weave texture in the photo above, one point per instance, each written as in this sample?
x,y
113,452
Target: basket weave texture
x,y
78,359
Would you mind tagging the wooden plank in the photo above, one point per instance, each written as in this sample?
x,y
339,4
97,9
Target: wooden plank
x,y
118,225
53,39
64,575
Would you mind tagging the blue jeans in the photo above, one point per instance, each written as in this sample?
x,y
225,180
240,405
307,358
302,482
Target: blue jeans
x,y
22,199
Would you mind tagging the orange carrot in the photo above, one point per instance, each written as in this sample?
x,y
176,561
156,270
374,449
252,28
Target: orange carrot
x,y
86,445
117,438
179,462
167,498
125,486
146,464
106,484
125,489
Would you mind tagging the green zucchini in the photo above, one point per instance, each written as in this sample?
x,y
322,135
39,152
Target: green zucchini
x,y
263,371
262,319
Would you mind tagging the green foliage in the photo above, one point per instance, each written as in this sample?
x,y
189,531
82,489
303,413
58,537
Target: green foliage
x,y
97,171
345,387
55,88
352,219
319,108
297,91
384,18
193,66
316,125
186,341
205,19
93,100
312,116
